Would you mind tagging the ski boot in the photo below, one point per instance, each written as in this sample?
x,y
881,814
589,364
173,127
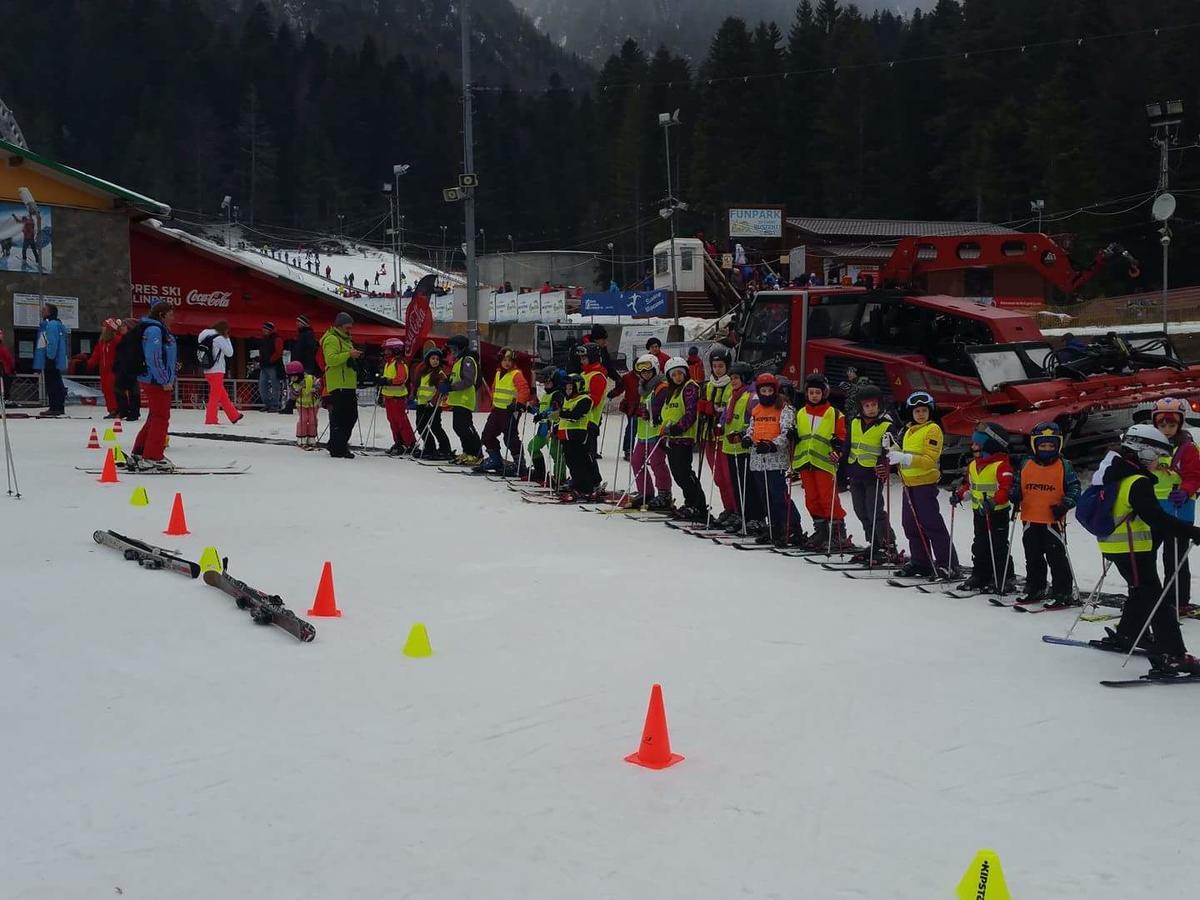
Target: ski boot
x,y
494,464
841,540
537,472
1060,599
394,450
661,503
733,524
133,462
1163,666
977,582
691,514
164,465
819,541
755,527
1121,643
914,569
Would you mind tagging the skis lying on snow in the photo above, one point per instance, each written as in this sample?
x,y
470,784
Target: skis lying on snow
x,y
265,609
1153,679
178,470
147,555
1094,645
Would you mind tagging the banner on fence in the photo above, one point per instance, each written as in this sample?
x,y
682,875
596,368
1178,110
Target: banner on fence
x,y
635,304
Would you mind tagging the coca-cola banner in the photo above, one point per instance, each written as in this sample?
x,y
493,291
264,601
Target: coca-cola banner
x,y
150,294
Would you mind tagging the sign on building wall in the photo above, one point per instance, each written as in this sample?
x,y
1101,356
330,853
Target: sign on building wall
x,y
755,222
27,310
26,238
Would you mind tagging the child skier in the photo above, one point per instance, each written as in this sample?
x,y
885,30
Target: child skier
x,y
572,433
863,470
510,393
766,437
395,397
1176,482
545,414
649,463
717,391
919,457
988,482
429,409
1045,490
679,425
460,393
305,391
820,441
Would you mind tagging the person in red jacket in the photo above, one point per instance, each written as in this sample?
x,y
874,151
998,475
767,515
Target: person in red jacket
x,y
1176,484
988,484
102,360
8,368
696,366
595,379
627,390
654,347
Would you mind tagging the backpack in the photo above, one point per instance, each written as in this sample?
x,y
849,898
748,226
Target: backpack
x,y
205,355
1095,509
130,358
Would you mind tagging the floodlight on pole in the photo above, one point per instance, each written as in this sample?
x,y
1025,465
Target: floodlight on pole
x,y
1165,117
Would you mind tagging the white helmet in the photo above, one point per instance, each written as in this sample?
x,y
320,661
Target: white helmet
x,y
647,362
675,362
1146,442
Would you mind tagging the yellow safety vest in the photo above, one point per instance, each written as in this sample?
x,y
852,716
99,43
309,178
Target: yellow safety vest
x,y
674,409
425,387
504,389
569,406
464,398
916,442
389,389
731,440
984,483
1166,479
309,398
1131,533
815,440
866,447
597,412
717,396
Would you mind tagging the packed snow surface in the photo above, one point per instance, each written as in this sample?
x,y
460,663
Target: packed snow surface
x,y
843,739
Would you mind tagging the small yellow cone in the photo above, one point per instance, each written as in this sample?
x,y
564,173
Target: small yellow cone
x,y
118,455
139,497
210,560
109,435
417,644
984,879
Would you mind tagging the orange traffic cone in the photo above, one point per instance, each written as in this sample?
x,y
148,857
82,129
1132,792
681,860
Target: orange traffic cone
x,y
178,524
655,750
93,441
117,426
108,474
325,603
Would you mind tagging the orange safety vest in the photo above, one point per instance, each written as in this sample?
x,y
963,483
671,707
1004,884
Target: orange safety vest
x,y
1041,488
764,422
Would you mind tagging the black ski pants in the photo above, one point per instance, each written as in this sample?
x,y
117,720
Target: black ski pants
x,y
463,422
1140,571
1181,590
679,459
579,464
866,494
986,560
343,413
1045,546
429,426
129,397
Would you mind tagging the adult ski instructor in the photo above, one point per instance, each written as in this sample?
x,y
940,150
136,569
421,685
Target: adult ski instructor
x,y
341,384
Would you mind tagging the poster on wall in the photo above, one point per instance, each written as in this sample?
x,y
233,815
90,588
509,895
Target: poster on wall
x,y
755,222
27,310
26,238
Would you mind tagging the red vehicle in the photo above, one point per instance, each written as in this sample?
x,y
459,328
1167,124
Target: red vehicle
x,y
979,362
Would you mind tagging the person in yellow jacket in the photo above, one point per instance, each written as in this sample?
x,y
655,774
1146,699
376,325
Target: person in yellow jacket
x,y
919,456
461,390
341,383
394,392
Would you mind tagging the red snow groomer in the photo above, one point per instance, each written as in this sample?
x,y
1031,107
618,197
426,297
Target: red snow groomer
x,y
980,362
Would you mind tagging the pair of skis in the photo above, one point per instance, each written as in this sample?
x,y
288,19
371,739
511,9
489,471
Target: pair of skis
x,y
230,469
264,608
1149,678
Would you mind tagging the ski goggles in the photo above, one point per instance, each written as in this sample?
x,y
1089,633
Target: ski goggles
x,y
645,367
920,398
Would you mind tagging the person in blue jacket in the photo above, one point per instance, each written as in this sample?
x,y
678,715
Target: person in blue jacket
x,y
158,384
50,358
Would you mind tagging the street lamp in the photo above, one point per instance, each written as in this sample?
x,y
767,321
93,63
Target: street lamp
x,y
342,224
512,245
1038,207
398,256
668,121
612,263
1165,117
227,205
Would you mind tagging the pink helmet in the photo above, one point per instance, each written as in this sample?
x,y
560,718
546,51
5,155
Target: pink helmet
x,y
295,367
1170,406
394,345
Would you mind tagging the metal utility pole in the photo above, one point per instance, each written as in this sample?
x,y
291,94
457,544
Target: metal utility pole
x,y
1038,207
666,120
1165,119
469,169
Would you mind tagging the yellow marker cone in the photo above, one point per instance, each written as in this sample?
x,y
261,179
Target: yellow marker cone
x,y
118,455
210,560
417,644
139,497
984,879
109,435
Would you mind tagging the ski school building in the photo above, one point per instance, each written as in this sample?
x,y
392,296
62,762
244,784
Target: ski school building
x,y
98,250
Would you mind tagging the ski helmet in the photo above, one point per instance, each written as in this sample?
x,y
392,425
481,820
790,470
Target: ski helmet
x,y
817,380
295,367
743,371
1046,432
431,352
990,438
575,380
1170,406
393,345
719,354
1144,443
458,343
675,362
547,374
589,353
766,379
869,392
920,398
506,353
647,362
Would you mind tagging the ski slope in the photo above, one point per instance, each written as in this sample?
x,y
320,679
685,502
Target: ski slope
x,y
843,739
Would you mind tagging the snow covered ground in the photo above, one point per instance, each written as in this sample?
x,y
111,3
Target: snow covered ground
x,y
843,739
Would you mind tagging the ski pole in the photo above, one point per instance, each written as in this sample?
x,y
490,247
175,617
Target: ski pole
x,y
950,542
10,465
617,456
925,544
874,525
767,504
712,484
1161,597
1012,530
987,521
787,518
742,496
1093,597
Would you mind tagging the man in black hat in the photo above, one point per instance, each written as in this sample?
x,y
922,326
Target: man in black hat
x,y
599,337
270,367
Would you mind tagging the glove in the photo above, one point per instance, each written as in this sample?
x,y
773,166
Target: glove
x,y
765,447
643,413
1178,497
899,458
674,430
835,457
889,442
747,442
882,471
987,506
1194,534
956,498
515,409
443,387
1058,511
705,408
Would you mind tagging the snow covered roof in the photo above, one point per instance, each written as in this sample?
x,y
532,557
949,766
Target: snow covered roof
x,y
891,228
